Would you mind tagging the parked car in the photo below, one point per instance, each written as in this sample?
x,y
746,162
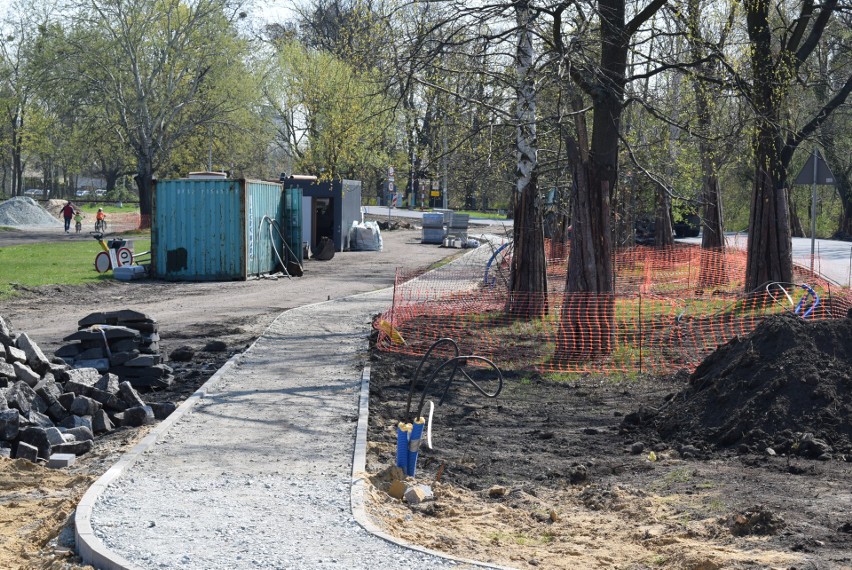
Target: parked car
x,y
81,193
35,193
100,192
688,226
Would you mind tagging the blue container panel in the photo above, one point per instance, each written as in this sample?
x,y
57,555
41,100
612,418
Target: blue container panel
x,y
199,230
263,234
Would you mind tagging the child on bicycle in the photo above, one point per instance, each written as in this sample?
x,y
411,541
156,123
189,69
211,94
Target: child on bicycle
x,y
100,220
78,220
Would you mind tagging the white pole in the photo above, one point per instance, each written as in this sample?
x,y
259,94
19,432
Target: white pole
x,y
813,210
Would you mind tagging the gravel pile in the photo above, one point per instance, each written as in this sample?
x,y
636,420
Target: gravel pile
x,y
24,211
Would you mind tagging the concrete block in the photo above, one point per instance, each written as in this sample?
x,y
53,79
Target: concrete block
x,y
101,422
129,395
39,419
97,353
79,380
60,460
35,357
138,416
99,364
7,370
84,406
26,374
37,437
10,423
15,354
81,433
68,350
418,494
21,396
162,410
54,436
108,383
75,447
143,360
73,421
26,451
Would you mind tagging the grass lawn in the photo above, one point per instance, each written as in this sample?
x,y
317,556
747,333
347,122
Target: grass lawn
x,y
109,208
66,263
484,215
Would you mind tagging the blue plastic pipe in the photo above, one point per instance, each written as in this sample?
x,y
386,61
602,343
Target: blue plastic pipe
x,y
403,431
414,445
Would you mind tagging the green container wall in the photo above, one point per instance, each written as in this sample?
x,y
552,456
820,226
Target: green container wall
x,y
212,230
291,223
263,236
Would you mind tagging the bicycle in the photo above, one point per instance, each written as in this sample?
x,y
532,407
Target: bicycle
x,y
100,226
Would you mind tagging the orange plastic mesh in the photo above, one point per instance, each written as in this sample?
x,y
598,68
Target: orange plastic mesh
x,y
671,308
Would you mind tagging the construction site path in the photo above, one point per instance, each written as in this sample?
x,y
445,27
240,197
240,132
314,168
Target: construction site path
x,y
257,473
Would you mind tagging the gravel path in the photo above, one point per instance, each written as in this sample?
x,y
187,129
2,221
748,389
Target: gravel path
x,y
258,473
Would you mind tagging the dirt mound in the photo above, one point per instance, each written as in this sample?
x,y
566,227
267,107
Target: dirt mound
x,y
784,388
24,211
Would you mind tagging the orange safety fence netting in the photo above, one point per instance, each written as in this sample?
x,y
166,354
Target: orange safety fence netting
x,y
671,308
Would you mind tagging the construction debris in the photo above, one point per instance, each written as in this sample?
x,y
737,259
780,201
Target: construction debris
x,y
51,411
124,343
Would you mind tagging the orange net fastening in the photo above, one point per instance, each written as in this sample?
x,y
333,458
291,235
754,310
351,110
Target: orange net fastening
x,y
670,309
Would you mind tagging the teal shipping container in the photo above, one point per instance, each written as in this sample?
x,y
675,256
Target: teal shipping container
x,y
215,229
291,223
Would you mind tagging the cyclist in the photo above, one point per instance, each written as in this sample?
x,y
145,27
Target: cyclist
x,y
78,220
100,220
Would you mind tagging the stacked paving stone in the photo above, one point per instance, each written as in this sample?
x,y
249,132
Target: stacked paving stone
x,y
50,411
124,343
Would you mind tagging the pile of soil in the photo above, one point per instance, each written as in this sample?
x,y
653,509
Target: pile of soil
x,y
785,388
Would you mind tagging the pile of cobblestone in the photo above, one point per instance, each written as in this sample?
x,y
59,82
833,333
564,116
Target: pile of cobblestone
x,y
50,411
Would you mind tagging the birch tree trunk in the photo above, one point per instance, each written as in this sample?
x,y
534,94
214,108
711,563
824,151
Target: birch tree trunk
x,y
528,279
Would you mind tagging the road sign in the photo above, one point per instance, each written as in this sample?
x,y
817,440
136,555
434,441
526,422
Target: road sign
x,y
822,175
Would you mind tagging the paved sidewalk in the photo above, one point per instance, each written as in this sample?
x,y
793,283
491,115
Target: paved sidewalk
x,y
255,470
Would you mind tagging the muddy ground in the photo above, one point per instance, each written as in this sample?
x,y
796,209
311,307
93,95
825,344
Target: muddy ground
x,y
586,473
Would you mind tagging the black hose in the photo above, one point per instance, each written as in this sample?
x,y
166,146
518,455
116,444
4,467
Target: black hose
x,y
456,360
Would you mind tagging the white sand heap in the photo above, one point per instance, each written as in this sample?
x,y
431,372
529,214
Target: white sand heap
x,y
24,211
